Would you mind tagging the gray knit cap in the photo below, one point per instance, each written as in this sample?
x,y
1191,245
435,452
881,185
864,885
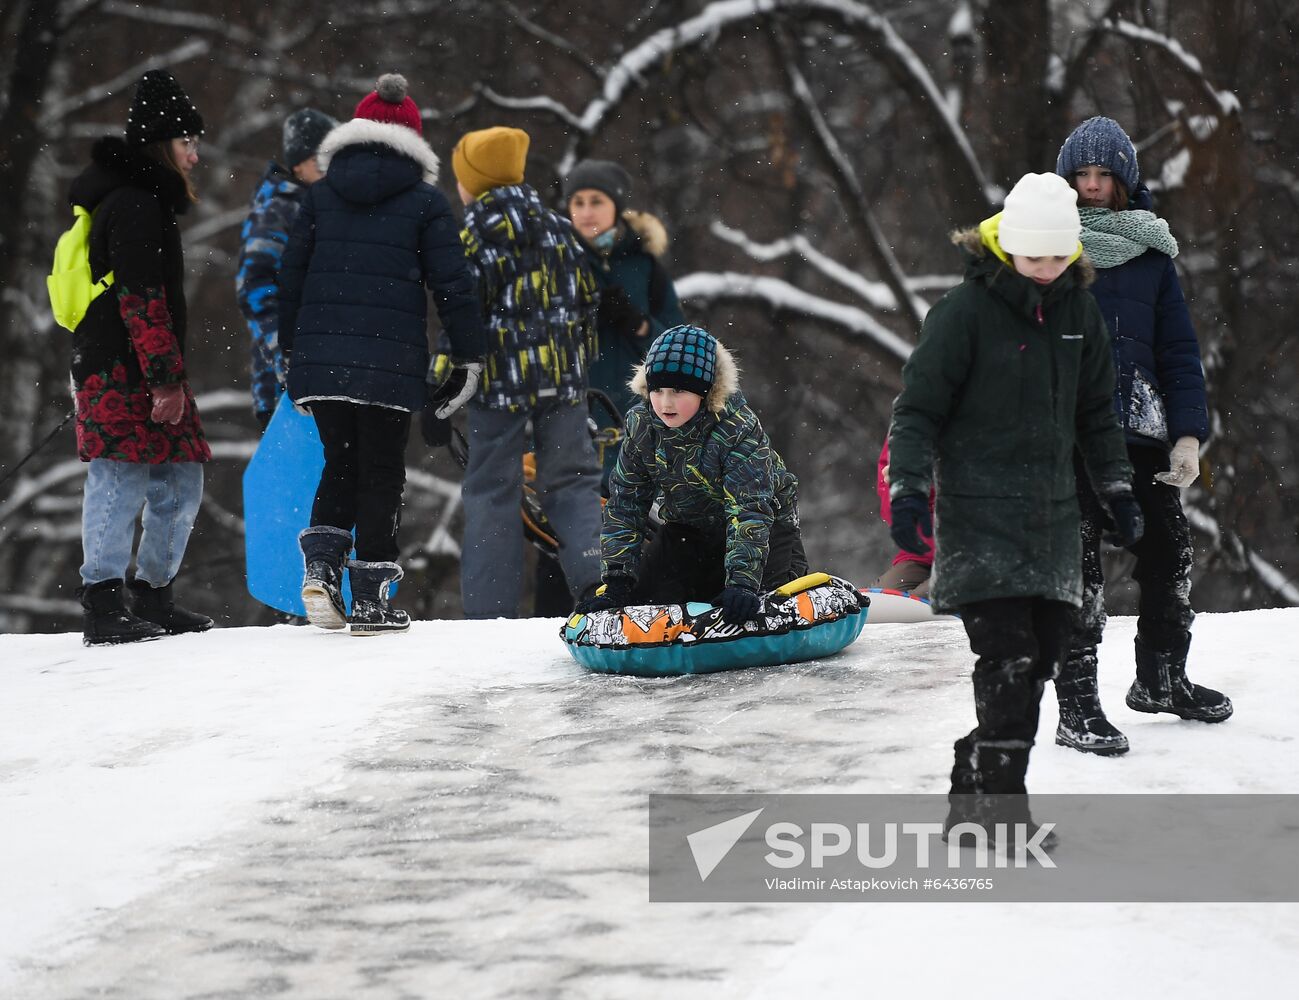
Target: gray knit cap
x,y
1100,142
601,175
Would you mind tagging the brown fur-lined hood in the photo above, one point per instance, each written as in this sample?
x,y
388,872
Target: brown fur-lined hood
x,y
725,385
653,234
974,242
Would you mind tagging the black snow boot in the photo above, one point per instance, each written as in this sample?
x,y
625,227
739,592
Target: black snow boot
x,y
155,604
1162,686
105,620
1083,725
961,799
371,614
323,550
988,788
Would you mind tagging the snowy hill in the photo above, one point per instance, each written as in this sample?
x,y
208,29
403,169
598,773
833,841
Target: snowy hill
x,y
461,811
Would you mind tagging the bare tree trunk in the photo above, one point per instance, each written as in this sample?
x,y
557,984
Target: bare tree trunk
x,y
1019,126
37,44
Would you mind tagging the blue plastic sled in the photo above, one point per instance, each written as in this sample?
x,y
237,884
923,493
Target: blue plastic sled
x,y
810,618
279,487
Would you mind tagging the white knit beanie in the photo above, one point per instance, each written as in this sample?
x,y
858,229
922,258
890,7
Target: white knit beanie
x,y
1040,218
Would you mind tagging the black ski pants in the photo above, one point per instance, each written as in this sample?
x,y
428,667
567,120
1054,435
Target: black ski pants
x,y
364,475
684,563
1020,643
1164,556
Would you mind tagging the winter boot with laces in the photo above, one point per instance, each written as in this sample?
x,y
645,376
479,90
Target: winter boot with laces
x,y
105,620
323,550
1083,725
155,604
1162,686
371,613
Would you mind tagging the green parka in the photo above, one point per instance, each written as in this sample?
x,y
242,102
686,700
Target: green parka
x,y
1009,376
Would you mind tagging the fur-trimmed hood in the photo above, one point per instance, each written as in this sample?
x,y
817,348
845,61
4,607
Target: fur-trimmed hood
x,y
398,159
363,132
974,242
725,385
651,231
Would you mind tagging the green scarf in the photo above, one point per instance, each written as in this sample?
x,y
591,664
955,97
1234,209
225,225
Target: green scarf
x,y
1113,238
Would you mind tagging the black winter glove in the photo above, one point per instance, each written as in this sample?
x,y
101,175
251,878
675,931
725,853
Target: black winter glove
x,y
738,604
1129,525
456,389
617,314
436,433
617,594
912,523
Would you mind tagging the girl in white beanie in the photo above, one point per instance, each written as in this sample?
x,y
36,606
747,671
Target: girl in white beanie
x,y
1012,372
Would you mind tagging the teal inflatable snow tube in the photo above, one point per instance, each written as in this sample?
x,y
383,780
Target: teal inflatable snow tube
x,y
808,619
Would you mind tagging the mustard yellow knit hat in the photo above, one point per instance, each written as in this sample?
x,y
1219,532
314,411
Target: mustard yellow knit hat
x,y
490,158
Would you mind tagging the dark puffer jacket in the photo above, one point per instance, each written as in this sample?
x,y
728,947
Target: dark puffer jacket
x,y
716,471
1160,390
133,335
1007,378
539,296
353,309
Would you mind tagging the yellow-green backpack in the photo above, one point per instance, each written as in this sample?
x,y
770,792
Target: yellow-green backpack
x,y
72,287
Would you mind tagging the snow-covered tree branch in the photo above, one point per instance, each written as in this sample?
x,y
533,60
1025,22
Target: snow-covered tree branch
x,y
787,299
1225,101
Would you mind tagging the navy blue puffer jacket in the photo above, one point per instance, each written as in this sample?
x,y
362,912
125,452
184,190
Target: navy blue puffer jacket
x,y
1159,391
370,236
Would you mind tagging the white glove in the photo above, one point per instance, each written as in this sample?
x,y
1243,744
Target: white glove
x,y
456,390
1183,464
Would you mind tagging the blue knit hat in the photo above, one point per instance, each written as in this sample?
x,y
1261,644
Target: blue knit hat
x,y
1100,142
684,357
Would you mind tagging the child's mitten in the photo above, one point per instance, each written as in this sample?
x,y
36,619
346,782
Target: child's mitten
x,y
738,604
911,520
616,593
1183,464
1129,525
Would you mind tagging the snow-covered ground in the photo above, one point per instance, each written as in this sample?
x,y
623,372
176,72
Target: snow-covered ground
x,y
462,811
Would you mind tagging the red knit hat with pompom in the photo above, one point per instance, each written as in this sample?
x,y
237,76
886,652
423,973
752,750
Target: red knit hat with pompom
x,y
388,103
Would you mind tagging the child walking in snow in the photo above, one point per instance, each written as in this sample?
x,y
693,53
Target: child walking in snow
x,y
354,327
729,506
1012,372
264,237
1161,404
540,298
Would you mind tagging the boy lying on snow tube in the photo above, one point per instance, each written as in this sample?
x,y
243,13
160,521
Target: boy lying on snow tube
x,y
806,619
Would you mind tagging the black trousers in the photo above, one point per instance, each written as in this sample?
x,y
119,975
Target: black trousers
x,y
683,563
1020,643
364,474
1164,557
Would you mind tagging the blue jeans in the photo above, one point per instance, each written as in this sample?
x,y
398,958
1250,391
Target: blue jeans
x,y
568,486
115,492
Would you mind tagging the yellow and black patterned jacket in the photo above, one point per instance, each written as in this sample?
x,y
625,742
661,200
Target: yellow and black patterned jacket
x,y
539,300
718,471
